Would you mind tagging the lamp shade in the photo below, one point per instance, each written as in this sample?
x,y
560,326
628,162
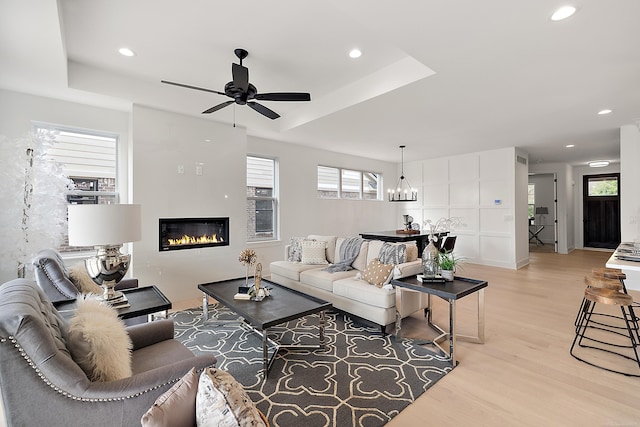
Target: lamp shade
x,y
542,210
97,225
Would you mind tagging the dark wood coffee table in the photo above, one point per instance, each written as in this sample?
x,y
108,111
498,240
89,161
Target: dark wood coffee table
x,y
281,306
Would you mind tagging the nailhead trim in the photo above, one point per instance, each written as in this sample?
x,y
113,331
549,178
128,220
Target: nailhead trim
x,y
24,355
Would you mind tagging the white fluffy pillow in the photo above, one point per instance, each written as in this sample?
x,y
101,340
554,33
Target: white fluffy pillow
x,y
98,341
80,278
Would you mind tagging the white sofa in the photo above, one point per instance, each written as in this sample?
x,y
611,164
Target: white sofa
x,y
346,290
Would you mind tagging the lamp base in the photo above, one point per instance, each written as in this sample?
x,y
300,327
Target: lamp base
x,y
106,268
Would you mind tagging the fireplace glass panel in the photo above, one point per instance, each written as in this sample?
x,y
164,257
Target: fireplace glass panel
x,y
189,233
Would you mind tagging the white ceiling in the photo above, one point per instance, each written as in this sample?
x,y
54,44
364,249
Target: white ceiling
x,y
441,77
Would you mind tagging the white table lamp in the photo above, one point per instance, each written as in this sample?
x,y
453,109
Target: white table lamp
x,y
105,227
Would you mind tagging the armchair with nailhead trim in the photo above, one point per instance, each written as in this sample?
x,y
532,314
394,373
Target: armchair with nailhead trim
x,y
52,276
42,385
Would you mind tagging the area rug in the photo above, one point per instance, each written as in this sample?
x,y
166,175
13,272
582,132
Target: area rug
x,y
361,378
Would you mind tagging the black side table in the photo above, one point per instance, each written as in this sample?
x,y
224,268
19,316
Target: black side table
x,y
142,301
450,291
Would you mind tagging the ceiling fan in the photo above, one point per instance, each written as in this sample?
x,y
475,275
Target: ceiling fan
x,y
242,92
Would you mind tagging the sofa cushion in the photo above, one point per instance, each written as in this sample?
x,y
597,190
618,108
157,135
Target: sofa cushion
x,y
314,252
361,291
407,269
377,273
323,279
290,270
331,245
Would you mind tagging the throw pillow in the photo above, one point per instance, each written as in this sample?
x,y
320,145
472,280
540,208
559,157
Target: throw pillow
x,y
295,249
221,401
98,341
81,280
393,254
313,252
377,272
412,251
177,406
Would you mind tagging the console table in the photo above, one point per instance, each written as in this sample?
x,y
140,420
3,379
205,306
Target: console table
x,y
422,239
450,291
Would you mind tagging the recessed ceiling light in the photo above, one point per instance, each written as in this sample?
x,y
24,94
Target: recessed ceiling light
x,y
598,164
563,13
605,111
355,53
570,145
125,51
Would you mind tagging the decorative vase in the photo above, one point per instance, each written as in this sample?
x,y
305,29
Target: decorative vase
x,y
430,265
447,275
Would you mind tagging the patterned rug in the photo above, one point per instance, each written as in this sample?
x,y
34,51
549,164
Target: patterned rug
x,y
361,378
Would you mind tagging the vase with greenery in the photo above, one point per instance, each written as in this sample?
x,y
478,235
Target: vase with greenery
x,y
448,263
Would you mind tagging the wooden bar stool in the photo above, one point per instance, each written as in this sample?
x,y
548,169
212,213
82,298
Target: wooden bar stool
x,y
602,336
597,282
611,273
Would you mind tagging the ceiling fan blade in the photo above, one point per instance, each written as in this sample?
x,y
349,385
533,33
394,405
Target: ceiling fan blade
x,y
240,76
217,107
283,96
263,110
192,87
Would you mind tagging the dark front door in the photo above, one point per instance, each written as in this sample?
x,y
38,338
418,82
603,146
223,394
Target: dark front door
x,y
601,211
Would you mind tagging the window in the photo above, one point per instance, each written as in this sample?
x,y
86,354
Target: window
x,y
602,186
531,200
89,160
337,183
261,199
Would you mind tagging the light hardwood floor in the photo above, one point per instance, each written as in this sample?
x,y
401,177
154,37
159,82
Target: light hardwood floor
x,y
523,375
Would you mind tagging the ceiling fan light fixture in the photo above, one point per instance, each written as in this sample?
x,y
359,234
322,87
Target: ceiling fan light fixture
x,y
125,51
598,164
563,13
355,53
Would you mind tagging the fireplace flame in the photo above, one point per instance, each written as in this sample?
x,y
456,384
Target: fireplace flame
x,y
195,240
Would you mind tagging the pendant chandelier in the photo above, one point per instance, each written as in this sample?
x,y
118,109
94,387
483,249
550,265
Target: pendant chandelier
x,y
403,191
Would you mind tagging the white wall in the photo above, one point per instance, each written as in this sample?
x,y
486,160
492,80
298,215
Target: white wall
x,y
481,189
629,179
162,142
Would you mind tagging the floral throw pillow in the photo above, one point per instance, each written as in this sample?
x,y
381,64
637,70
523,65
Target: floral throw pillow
x,y
295,248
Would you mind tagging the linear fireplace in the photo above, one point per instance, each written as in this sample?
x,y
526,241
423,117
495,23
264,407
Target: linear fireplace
x,y
189,233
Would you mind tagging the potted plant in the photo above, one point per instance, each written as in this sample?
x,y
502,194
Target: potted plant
x,y
448,263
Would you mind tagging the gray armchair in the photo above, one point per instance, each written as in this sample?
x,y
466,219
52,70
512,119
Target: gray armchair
x,y
52,276
42,385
